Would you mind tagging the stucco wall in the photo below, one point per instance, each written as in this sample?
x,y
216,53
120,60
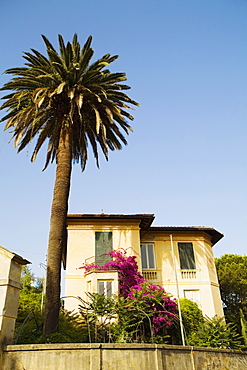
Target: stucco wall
x,y
81,248
119,357
206,281
200,284
10,273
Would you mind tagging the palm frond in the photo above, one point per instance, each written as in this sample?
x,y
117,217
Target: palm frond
x,y
47,42
87,45
63,90
42,58
45,133
62,47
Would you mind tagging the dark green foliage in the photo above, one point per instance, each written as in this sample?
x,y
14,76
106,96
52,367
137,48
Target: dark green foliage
x,y
28,328
191,315
71,329
232,274
104,319
120,321
191,318
98,312
30,294
30,318
204,332
243,324
215,333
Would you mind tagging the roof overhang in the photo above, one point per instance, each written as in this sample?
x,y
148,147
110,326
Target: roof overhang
x,y
145,222
213,233
144,219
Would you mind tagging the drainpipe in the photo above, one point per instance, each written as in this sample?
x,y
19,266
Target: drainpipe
x,y
44,283
176,278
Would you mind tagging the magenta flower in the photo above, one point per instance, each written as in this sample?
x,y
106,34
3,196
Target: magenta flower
x,y
141,294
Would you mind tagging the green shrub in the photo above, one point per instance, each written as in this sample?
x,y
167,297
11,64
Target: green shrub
x,y
215,333
191,315
71,329
191,318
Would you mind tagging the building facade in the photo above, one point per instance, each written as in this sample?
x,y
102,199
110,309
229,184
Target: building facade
x,y
180,259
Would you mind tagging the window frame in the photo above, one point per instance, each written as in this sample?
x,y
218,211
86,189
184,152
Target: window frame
x,y
105,288
147,255
102,258
187,260
193,295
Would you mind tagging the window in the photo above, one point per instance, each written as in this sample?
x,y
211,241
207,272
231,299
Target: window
x,y
103,245
105,287
89,287
147,256
193,295
186,256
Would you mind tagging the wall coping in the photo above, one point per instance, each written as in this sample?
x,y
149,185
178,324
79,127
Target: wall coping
x,y
11,283
14,256
115,346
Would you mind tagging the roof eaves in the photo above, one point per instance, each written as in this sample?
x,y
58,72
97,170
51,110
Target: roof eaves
x,y
145,219
215,234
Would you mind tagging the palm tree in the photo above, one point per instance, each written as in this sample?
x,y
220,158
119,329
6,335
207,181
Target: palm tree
x,y
65,100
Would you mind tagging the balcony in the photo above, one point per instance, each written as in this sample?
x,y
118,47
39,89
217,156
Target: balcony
x,y
151,275
189,274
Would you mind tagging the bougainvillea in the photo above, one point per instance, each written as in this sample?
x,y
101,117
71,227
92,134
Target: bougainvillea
x,y
161,308
126,266
140,295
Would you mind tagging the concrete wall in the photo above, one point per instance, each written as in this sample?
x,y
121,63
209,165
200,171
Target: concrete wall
x,y
119,357
10,273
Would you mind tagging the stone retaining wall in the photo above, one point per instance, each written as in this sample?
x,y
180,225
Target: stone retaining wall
x,y
119,357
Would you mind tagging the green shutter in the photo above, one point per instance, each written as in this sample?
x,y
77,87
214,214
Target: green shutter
x,y
151,256
186,256
103,245
147,256
144,256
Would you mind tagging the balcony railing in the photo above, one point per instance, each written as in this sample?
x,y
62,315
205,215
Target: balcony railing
x,y
188,274
151,275
99,262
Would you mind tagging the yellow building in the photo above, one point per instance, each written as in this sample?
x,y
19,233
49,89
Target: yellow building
x,y
180,259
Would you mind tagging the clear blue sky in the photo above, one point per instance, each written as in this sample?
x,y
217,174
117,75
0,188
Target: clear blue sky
x,y
186,162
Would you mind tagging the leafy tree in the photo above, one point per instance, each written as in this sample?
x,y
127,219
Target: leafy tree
x,y
29,319
65,100
31,292
232,274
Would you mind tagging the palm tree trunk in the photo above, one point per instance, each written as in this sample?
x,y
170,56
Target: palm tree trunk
x,y
58,221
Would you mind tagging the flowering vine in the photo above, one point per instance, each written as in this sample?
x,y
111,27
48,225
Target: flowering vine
x,y
139,294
